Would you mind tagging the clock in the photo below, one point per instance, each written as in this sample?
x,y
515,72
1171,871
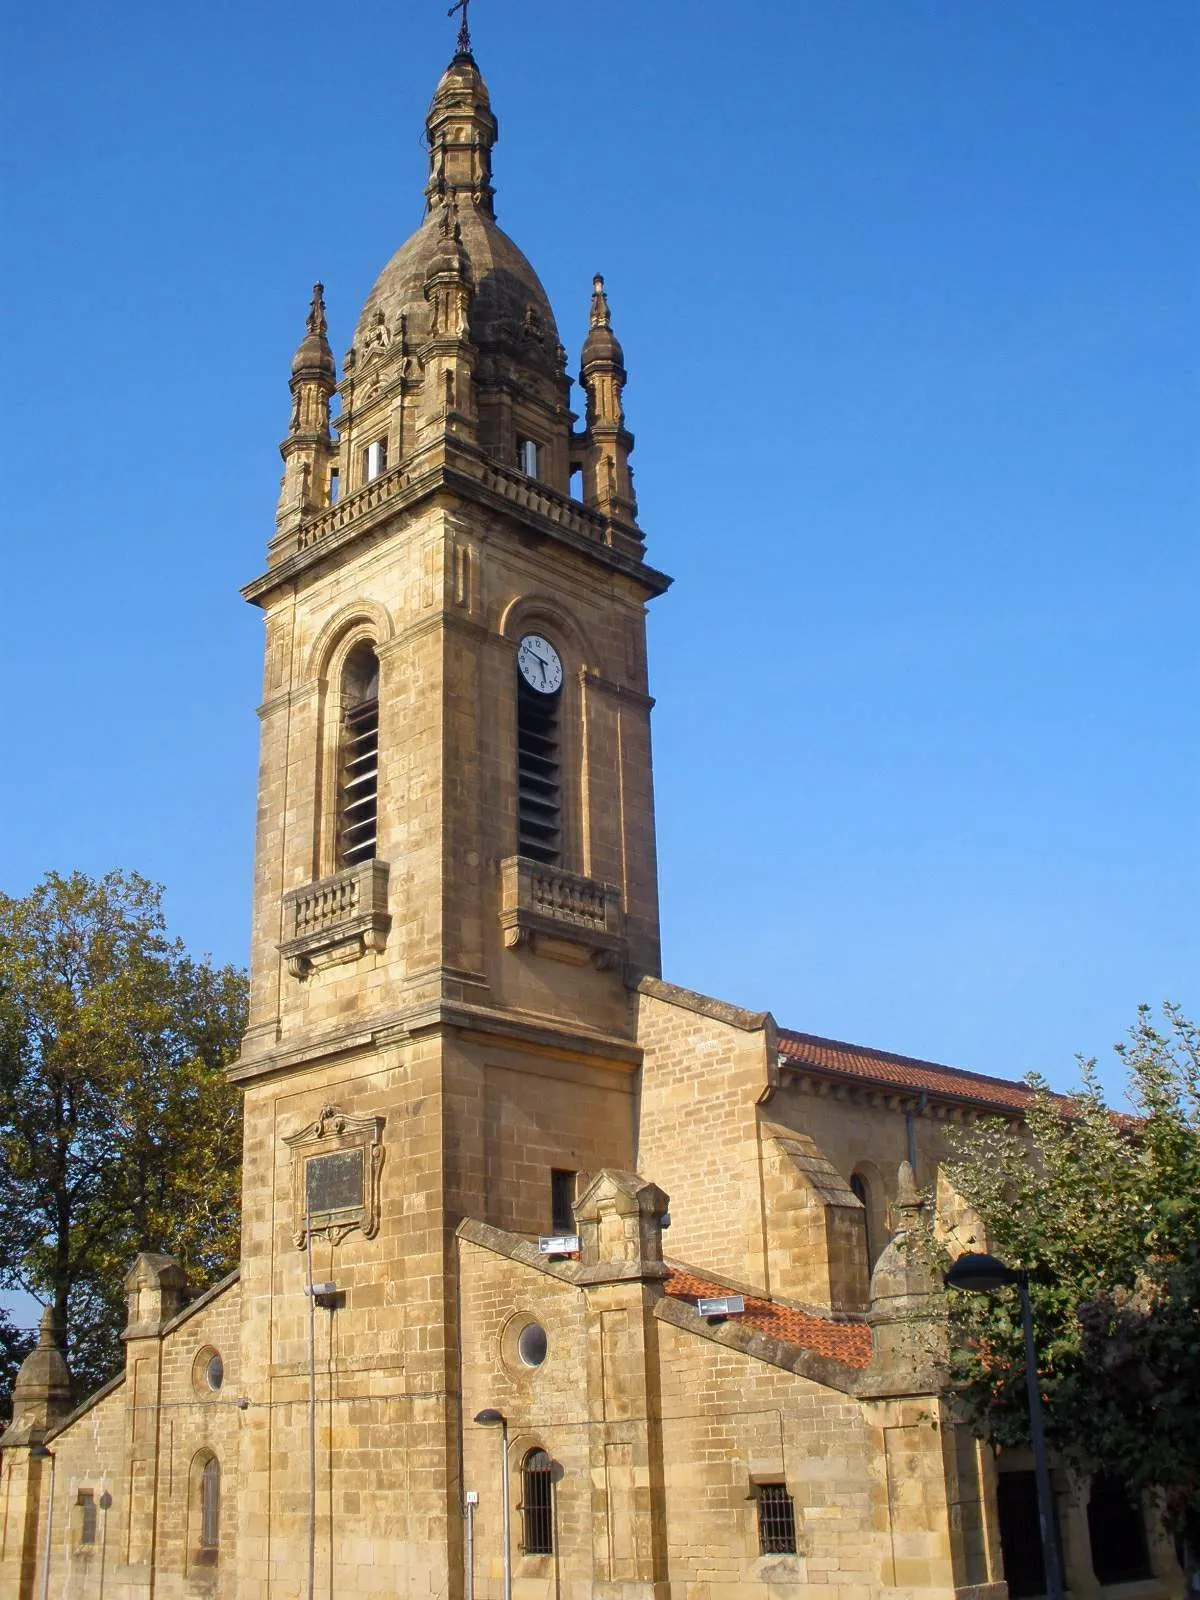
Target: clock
x,y
540,664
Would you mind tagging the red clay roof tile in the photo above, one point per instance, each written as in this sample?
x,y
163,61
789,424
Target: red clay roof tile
x,y
847,1342
882,1068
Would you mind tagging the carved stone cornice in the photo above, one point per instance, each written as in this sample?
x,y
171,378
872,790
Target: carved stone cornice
x,y
831,1085
543,1036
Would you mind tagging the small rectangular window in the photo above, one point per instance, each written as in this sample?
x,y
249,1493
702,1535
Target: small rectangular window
x,y
375,458
776,1520
334,481
528,457
86,1503
562,1199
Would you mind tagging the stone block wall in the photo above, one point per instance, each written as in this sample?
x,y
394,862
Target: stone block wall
x,y
137,1448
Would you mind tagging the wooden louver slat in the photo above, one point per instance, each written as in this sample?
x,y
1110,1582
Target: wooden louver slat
x,y
359,789
539,787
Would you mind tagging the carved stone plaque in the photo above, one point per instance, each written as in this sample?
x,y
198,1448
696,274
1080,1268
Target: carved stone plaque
x,y
336,1162
333,1183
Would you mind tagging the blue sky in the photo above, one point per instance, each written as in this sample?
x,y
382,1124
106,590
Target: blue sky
x,y
907,298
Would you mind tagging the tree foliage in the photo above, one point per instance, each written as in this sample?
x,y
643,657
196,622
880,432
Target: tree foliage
x,y
1103,1211
15,1345
118,1129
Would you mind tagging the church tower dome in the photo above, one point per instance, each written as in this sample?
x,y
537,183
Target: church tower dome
x,y
504,388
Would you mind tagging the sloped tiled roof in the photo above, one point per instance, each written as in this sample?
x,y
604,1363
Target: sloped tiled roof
x,y
887,1071
846,1342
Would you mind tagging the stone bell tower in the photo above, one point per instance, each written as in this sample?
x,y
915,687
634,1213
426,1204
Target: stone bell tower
x,y
455,880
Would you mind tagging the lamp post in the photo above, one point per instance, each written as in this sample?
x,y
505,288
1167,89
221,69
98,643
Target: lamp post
x,y
982,1274
38,1452
496,1419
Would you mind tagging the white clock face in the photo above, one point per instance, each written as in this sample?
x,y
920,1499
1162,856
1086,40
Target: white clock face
x,y
540,664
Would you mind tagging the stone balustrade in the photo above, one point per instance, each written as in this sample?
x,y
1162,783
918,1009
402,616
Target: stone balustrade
x,y
527,493
560,913
336,919
372,495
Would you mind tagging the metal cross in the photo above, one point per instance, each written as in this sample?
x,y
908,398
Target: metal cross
x,y
464,31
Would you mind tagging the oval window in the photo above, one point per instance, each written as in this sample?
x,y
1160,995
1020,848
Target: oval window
x,y
531,1344
214,1372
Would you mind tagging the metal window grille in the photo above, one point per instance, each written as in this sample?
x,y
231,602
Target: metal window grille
x,y
562,1201
359,798
537,1505
87,1517
539,790
776,1520
210,1504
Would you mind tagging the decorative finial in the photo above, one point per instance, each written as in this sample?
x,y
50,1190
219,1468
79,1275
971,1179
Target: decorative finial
x,y
49,1330
316,312
464,29
601,316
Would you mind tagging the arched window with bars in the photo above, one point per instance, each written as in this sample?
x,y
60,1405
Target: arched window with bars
x,y
358,758
537,1505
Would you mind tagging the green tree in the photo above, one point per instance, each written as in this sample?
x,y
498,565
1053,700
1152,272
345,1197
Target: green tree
x,y
1103,1210
118,1128
15,1345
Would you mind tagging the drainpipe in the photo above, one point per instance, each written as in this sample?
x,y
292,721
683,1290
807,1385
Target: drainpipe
x,y
910,1128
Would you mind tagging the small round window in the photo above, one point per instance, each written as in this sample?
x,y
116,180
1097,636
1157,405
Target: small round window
x,y
531,1344
214,1372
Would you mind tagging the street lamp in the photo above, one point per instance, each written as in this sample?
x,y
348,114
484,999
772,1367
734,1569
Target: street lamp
x,y
38,1452
981,1274
496,1419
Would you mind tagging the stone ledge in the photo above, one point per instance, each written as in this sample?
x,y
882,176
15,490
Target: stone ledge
x,y
705,1006
546,1036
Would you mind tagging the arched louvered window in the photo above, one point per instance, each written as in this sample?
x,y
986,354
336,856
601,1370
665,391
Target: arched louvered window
x,y
539,774
537,1505
358,777
210,1505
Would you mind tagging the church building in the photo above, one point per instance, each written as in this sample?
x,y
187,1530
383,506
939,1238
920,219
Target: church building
x,y
557,1280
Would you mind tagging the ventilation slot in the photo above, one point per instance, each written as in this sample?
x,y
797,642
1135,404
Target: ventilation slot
x,y
539,792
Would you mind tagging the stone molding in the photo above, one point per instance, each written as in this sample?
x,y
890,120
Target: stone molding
x,y
336,919
544,907
400,1027
828,1083
705,1006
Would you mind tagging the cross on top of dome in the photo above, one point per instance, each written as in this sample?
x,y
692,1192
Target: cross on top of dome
x,y
464,27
